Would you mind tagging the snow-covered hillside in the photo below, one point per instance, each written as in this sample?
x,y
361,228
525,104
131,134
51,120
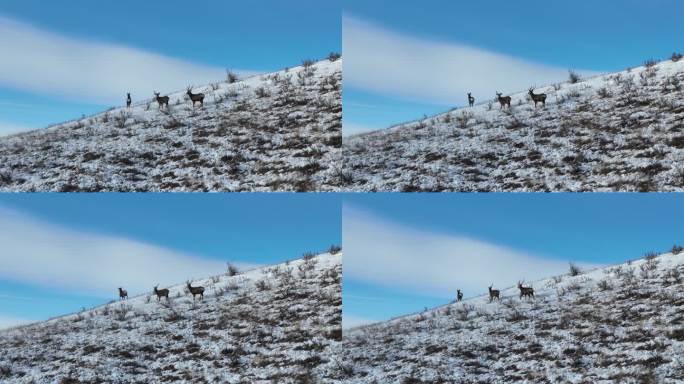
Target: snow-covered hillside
x,y
272,132
620,324
269,325
616,132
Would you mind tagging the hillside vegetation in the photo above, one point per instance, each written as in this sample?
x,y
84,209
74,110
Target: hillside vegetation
x,y
619,324
274,132
270,325
617,132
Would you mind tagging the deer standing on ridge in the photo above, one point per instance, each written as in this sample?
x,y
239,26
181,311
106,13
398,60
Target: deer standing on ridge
x,y
122,294
196,97
459,295
128,100
195,291
493,294
162,100
525,291
503,100
471,99
161,293
537,98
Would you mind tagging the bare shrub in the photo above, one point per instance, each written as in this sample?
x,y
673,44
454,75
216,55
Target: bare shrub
x,y
232,270
231,77
673,275
334,249
677,249
649,266
308,63
121,312
604,285
463,311
334,56
676,56
463,118
574,270
603,93
573,77
121,119
262,92
650,63
262,285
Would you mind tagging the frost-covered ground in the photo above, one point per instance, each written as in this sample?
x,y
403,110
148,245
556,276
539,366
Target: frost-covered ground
x,y
270,325
620,324
616,132
273,132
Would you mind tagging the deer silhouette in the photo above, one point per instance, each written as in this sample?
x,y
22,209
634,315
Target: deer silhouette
x,y
471,99
503,100
122,294
525,291
128,100
162,100
196,97
459,295
161,293
196,291
493,294
537,98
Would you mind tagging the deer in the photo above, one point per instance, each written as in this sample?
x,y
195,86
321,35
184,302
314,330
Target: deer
x,y
195,291
195,97
459,295
537,98
525,291
493,294
471,99
122,294
128,100
162,100
503,100
161,293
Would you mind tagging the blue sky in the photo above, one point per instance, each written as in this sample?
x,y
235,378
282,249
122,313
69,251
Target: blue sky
x,y
204,38
427,245
50,239
584,35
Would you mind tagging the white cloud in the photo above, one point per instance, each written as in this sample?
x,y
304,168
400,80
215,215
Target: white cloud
x,y
353,128
391,63
36,252
43,62
351,321
392,255
9,321
9,128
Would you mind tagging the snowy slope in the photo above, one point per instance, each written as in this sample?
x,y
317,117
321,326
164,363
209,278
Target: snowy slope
x,y
622,323
616,132
273,324
272,132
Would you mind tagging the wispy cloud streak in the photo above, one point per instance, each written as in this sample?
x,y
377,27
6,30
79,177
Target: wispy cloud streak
x,y
391,63
40,253
388,254
43,62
